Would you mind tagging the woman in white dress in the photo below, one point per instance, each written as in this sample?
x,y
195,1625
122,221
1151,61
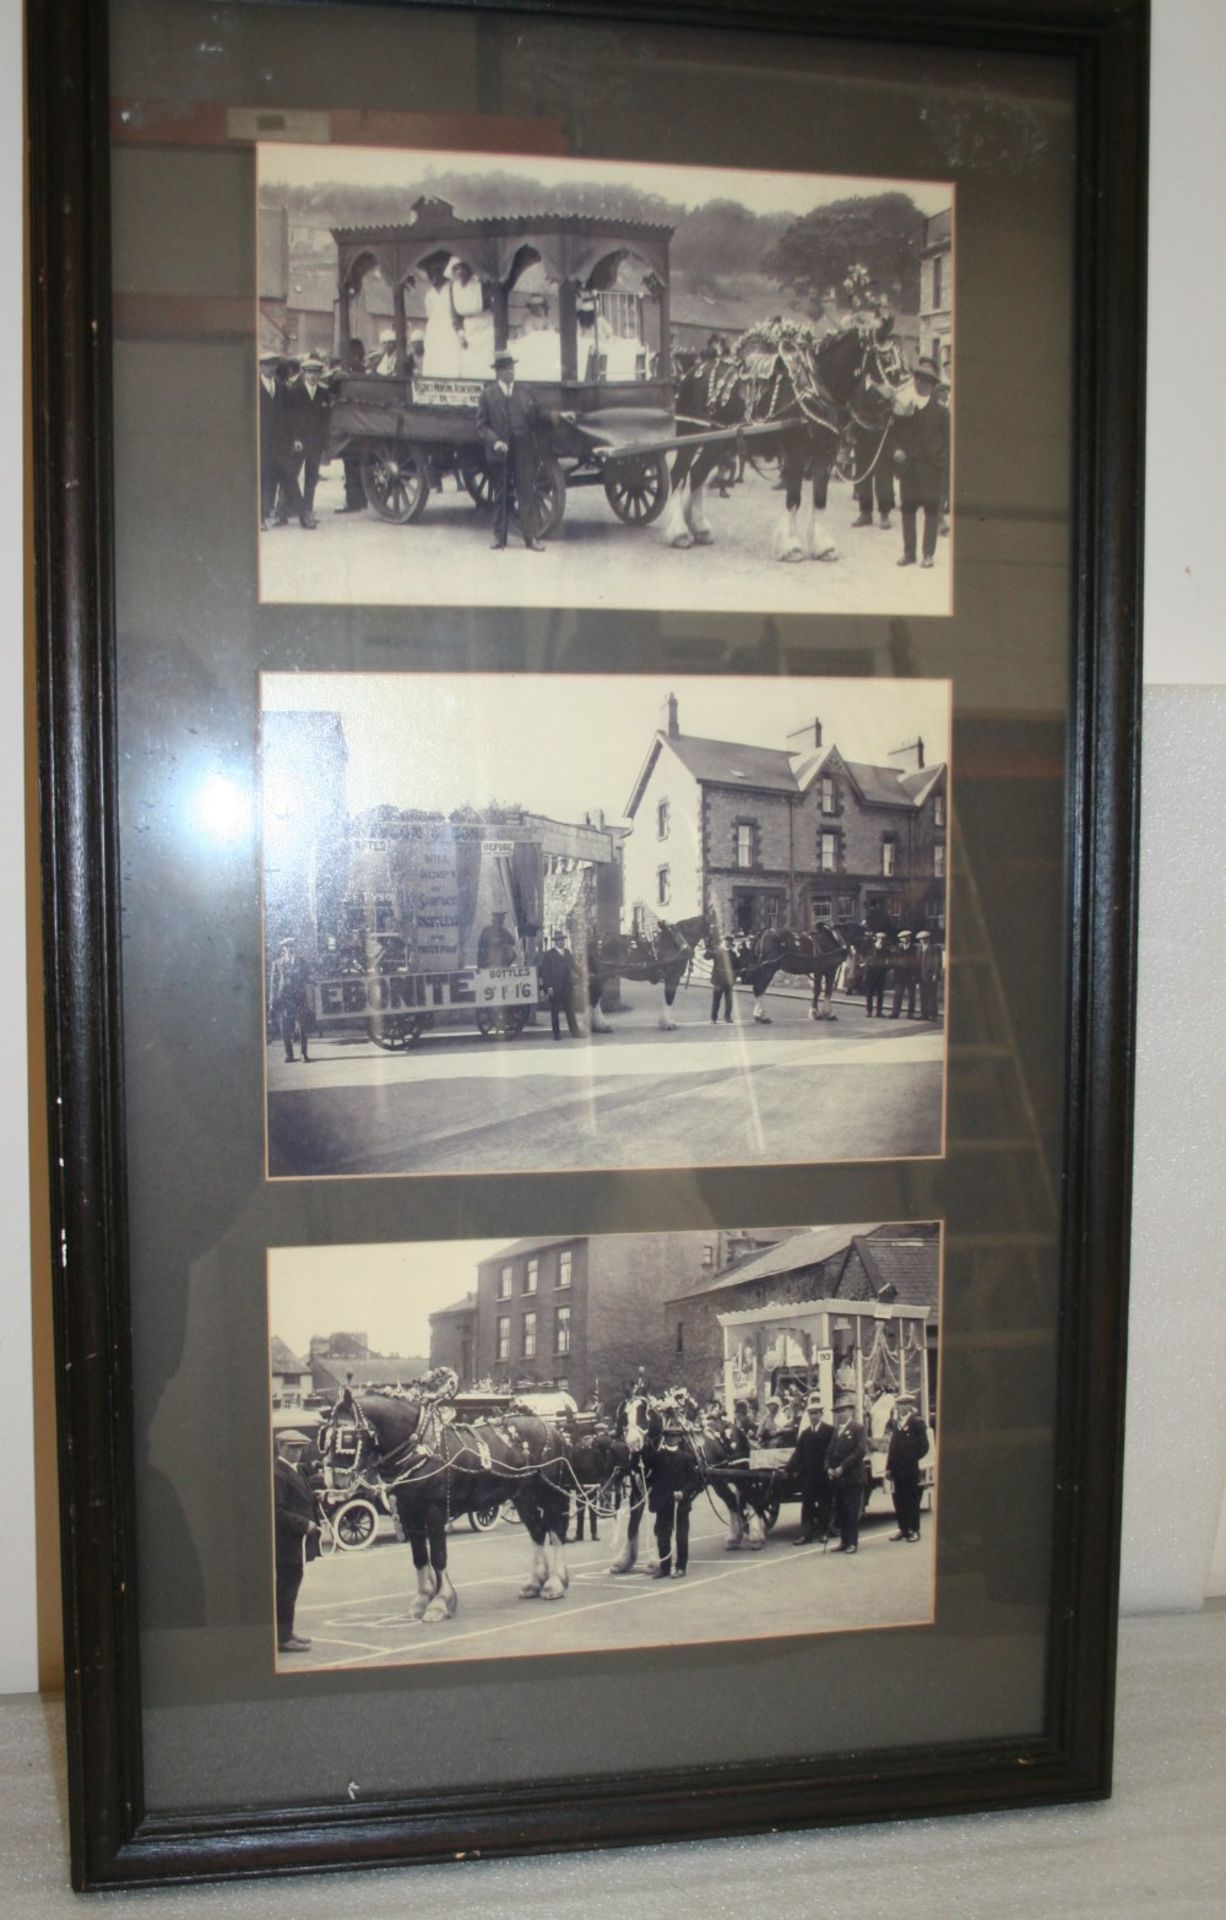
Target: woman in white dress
x,y
444,352
468,300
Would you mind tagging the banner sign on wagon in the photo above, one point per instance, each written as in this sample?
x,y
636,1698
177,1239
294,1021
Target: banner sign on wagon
x,y
357,996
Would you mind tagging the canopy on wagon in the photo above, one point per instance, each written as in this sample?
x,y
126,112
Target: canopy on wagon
x,y
576,255
872,1349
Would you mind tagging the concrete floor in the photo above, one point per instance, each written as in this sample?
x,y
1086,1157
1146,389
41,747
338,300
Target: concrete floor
x,y
1158,1847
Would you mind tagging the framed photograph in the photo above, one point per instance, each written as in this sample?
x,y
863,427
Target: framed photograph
x,y
588,668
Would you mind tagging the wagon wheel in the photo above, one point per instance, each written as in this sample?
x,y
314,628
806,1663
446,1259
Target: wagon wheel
x,y
770,1509
550,496
397,1032
481,1519
478,483
507,1513
355,1525
637,490
397,481
507,1023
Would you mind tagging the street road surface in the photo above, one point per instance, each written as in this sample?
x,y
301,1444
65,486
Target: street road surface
x,y
354,1606
593,560
704,1095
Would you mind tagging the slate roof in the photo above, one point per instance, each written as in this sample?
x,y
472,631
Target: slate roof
x,y
907,1261
464,1305
731,763
283,1359
530,1246
808,1249
372,1373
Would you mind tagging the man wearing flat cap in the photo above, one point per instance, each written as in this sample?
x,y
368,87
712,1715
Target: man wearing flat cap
x,y
922,456
908,1446
296,1531
509,421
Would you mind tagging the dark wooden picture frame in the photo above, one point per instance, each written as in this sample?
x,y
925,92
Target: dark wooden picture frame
x,y
115,1841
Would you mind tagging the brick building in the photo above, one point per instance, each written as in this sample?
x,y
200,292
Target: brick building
x,y
869,1261
581,1313
937,291
453,1338
794,835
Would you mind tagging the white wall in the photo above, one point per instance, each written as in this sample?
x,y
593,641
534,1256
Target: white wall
x,y
1181,1167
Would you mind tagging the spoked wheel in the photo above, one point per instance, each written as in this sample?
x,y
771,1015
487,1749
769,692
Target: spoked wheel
x,y
355,1525
478,483
397,1032
397,481
481,1519
770,1511
506,1024
507,1513
550,496
637,490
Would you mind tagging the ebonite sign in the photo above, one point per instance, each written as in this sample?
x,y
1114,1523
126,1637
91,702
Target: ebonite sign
x,y
358,996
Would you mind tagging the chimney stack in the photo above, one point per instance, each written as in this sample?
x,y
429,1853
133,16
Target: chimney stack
x,y
909,759
809,738
673,728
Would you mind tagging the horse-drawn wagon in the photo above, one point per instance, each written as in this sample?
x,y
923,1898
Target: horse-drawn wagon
x,y
599,366
870,1350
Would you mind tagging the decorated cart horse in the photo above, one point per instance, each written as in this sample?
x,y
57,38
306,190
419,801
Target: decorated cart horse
x,y
811,389
815,956
436,1470
670,1453
662,958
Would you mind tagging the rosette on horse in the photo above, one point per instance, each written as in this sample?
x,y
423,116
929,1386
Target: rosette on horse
x,y
436,1468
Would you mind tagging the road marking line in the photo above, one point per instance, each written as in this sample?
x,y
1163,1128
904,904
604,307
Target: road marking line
x,y
656,1590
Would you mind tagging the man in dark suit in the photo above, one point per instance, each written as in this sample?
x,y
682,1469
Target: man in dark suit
x,y
906,975
922,455
876,967
285,449
908,1446
309,401
847,1471
808,1463
930,963
509,421
270,394
296,1531
556,972
723,978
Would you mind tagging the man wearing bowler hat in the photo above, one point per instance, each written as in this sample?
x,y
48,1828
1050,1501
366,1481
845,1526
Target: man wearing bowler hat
x,y
509,421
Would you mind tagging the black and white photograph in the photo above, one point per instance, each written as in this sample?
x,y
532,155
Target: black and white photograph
x,y
529,923
653,1438
601,384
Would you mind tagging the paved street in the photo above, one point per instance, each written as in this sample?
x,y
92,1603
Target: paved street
x,y
593,560
704,1095
354,1606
